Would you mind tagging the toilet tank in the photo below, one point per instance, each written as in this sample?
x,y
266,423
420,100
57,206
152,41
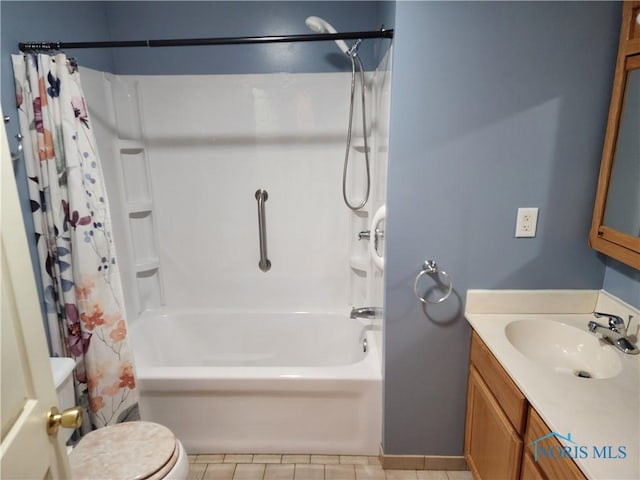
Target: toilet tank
x,y
62,370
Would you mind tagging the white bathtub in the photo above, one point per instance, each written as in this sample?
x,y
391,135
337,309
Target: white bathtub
x,y
261,382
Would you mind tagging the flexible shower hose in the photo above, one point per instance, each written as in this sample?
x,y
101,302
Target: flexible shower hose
x,y
355,59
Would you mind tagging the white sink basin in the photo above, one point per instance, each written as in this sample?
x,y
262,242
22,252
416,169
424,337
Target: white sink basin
x,y
564,348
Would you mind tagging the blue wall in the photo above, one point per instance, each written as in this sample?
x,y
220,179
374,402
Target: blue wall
x,y
166,20
495,106
623,282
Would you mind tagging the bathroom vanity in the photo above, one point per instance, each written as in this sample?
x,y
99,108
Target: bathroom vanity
x,y
547,399
501,425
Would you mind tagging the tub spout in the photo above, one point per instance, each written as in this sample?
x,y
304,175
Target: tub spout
x,y
364,312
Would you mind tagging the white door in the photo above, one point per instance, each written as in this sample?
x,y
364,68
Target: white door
x,y
26,390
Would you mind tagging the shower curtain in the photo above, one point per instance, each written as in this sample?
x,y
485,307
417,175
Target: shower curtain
x,y
83,295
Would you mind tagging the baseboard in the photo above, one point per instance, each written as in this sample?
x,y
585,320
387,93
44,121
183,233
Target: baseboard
x,y
422,462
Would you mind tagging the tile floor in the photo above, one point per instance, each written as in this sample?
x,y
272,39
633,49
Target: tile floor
x,y
304,467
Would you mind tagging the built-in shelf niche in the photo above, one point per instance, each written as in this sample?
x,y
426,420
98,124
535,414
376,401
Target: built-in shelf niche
x,y
149,289
127,112
139,207
135,177
147,264
137,196
359,259
143,235
359,262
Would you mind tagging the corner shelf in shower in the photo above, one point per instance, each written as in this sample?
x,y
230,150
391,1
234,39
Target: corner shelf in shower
x,y
360,148
363,212
147,264
358,262
130,146
136,201
137,208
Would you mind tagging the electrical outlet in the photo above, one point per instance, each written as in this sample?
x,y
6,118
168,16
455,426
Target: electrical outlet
x,y
526,222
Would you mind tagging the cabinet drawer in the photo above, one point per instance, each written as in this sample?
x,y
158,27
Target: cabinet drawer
x,y
564,468
509,397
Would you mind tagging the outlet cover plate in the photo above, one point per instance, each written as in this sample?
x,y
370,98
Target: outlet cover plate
x,y
526,222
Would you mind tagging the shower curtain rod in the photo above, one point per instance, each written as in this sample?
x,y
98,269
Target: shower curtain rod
x,y
188,42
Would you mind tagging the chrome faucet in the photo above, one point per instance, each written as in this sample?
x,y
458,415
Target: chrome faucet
x,y
616,323
364,312
615,332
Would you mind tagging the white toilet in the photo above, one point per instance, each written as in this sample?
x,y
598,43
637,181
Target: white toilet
x,y
126,451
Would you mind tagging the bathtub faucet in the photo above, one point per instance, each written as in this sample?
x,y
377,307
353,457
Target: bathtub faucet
x,y
364,312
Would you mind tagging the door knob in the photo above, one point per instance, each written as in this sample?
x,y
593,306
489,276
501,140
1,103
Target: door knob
x,y
70,418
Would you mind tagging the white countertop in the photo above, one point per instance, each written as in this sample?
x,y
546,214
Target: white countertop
x,y
597,412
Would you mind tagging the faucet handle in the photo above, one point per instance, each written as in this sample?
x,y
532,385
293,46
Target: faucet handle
x,y
616,323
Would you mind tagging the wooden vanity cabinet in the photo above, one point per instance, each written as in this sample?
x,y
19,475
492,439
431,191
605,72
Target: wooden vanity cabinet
x,y
500,426
496,417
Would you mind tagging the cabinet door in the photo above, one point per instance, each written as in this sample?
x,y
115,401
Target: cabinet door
x,y
564,467
530,470
492,447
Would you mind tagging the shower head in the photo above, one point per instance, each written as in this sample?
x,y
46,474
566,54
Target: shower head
x,y
320,25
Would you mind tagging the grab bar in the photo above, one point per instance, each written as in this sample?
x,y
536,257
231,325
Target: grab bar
x,y
264,264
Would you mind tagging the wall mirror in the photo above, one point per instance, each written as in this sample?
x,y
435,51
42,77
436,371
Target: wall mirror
x,y
615,230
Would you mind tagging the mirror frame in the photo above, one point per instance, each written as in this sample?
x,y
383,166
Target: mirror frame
x,y
611,242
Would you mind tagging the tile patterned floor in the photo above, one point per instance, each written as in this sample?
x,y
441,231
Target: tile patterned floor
x,y
304,467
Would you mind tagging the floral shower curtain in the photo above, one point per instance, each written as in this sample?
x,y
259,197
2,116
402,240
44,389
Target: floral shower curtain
x,y
83,294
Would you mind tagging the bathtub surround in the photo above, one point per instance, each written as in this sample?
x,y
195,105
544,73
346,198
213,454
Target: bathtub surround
x,y
176,174
80,270
282,135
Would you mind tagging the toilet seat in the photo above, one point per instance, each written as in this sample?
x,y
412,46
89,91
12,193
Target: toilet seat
x,y
126,451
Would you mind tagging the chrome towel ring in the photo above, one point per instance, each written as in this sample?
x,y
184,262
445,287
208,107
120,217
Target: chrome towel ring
x,y
429,268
